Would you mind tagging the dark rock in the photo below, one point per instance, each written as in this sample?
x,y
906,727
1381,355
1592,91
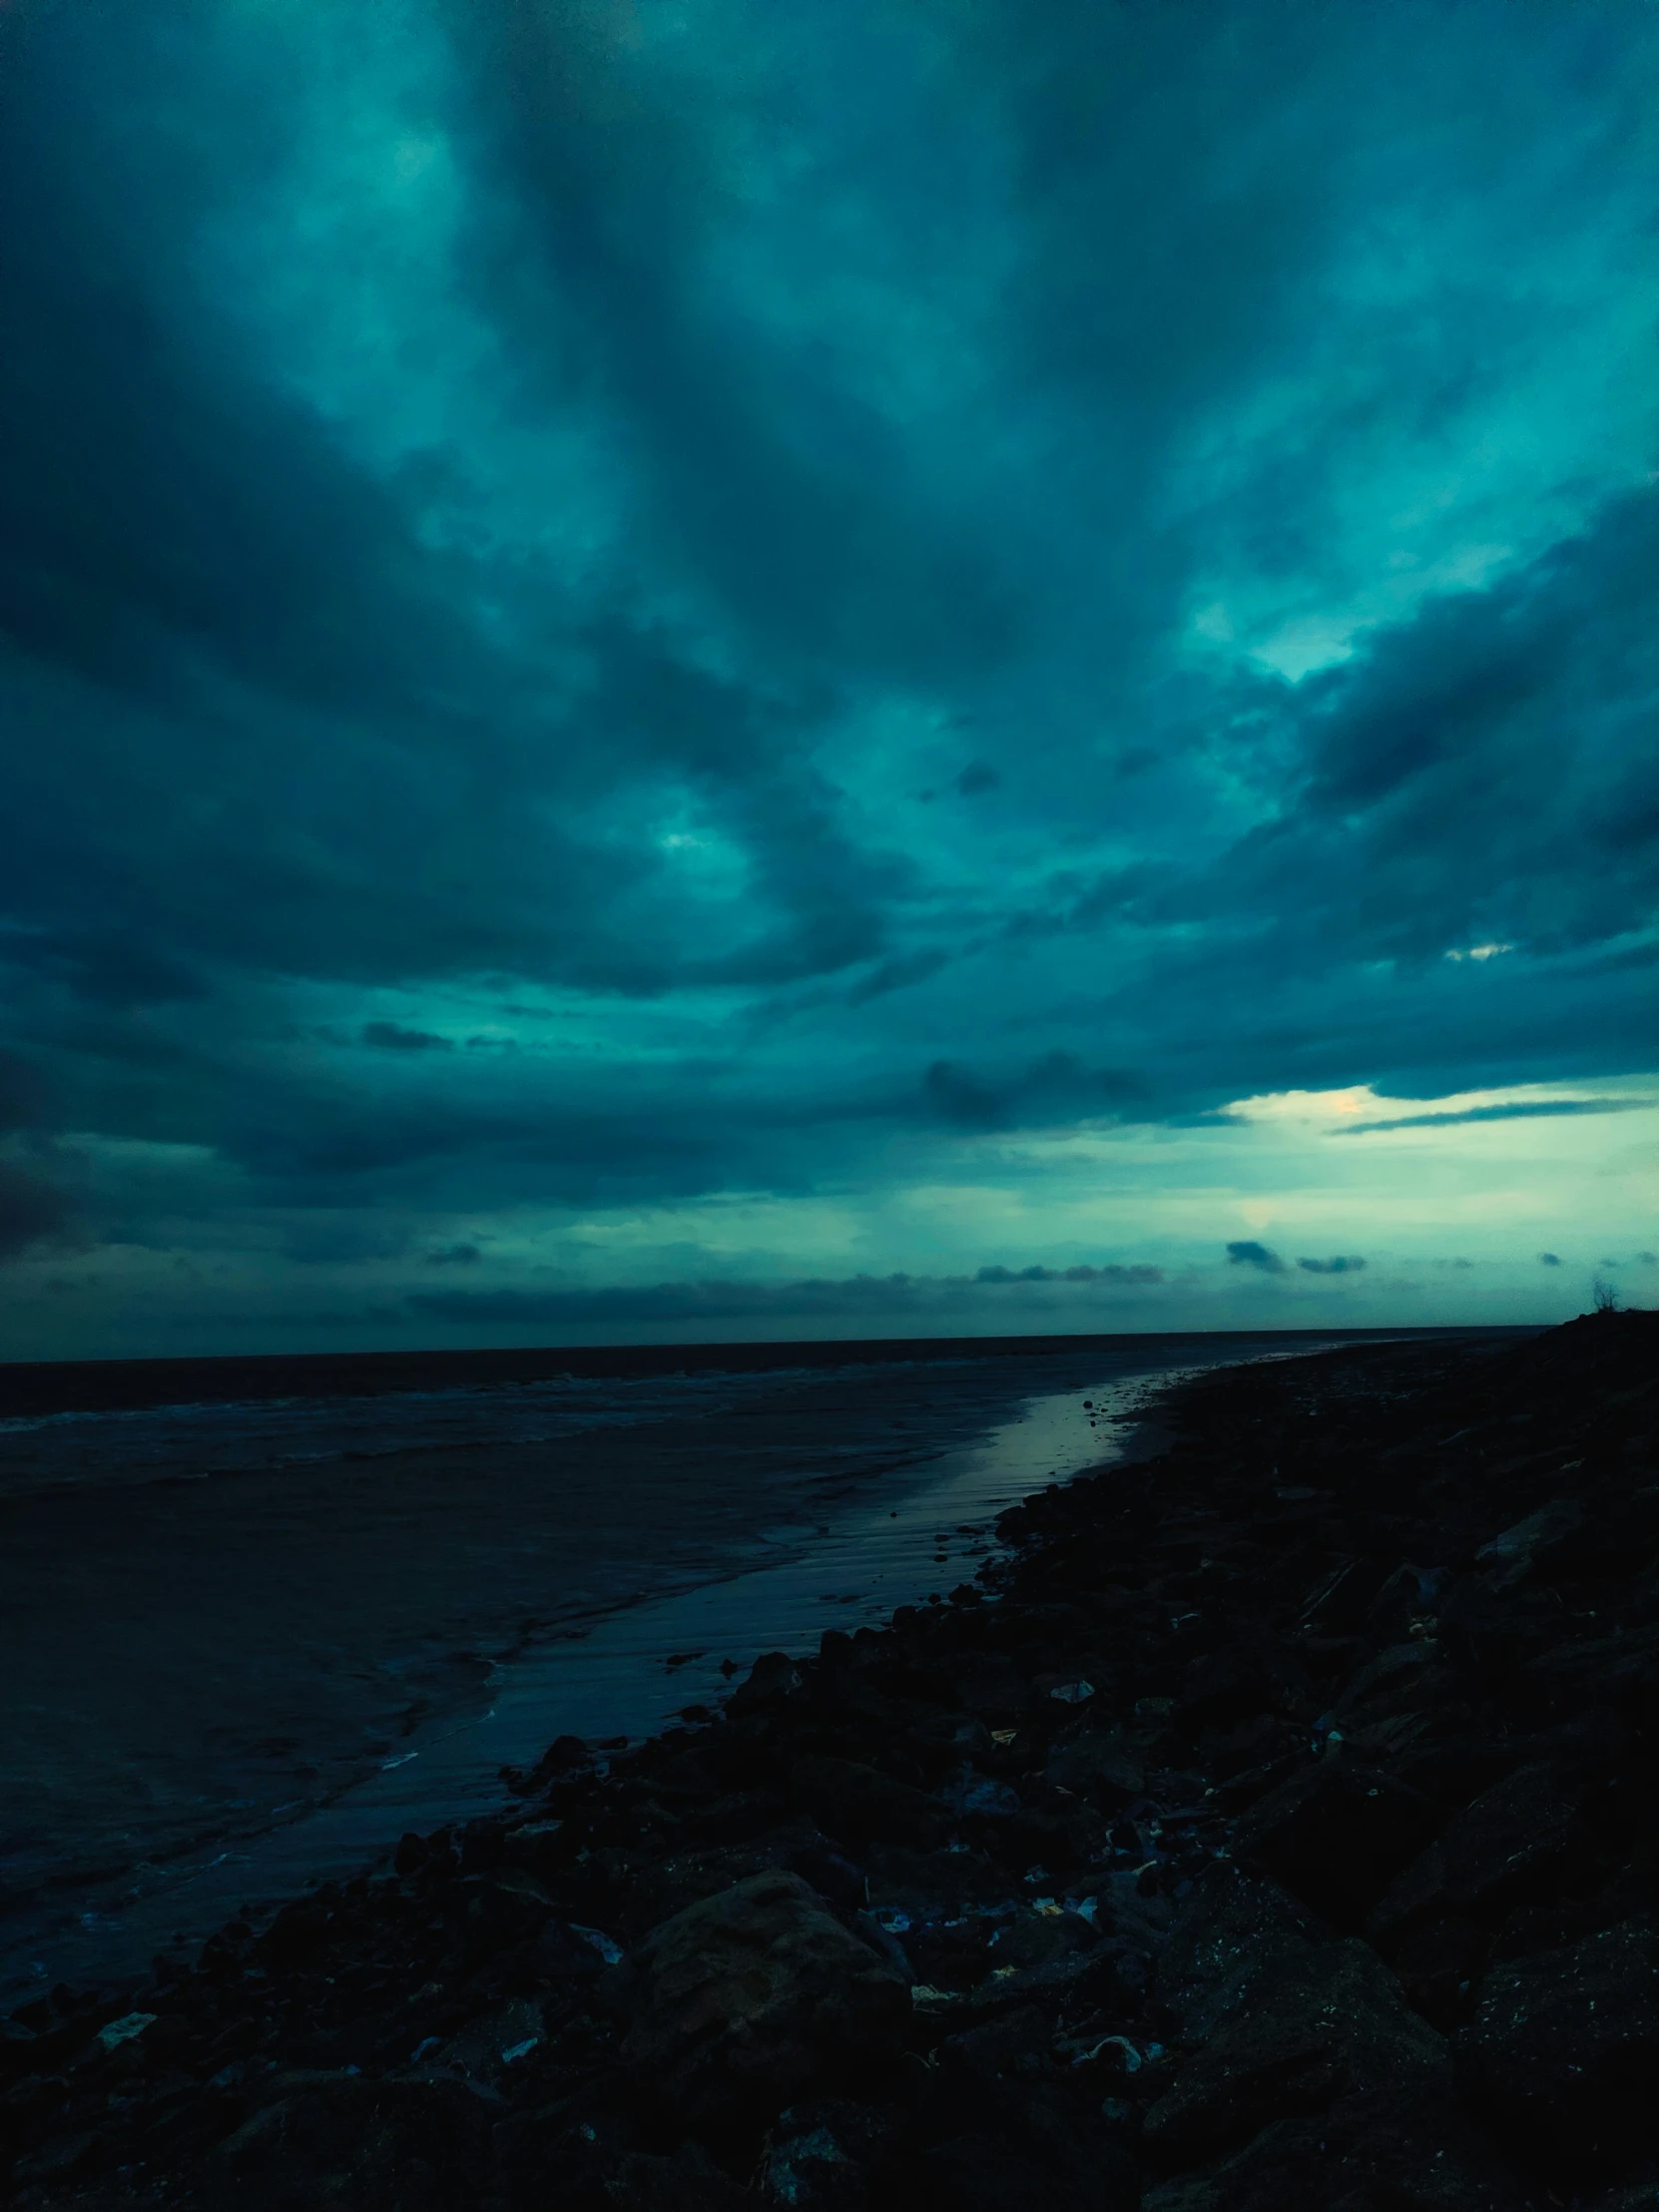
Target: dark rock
x,y
981,2173
1514,1553
346,2139
412,1852
1037,1936
816,2157
1225,1686
1366,2155
859,1806
60,2159
1405,1599
1340,1604
564,1754
1226,1935
504,1907
1060,1841
831,1874
1317,2025
1015,2134
1016,2044
944,1740
1097,1765
560,1955
932,1885
687,2182
1404,1681
756,1995
491,2045
773,1678
1516,1839
656,1892
1078,1981
1565,2047
988,1683
1336,1835
1439,1963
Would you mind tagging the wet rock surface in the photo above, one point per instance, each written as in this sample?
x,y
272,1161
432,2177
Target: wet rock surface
x,y
1274,1823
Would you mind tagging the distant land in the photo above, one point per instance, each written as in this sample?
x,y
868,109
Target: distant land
x,y
35,1387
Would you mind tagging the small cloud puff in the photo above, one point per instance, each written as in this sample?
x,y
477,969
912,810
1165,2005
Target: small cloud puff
x,y
1549,1259
30,1212
390,1037
1344,1264
1112,1274
454,1256
1246,1252
978,776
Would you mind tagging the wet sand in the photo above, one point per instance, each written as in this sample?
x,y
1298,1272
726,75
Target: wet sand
x,y
222,1670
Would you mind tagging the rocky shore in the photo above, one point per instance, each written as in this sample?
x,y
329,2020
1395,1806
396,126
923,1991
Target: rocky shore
x,y
1275,1824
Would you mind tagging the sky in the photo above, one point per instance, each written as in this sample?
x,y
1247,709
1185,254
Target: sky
x,y
685,669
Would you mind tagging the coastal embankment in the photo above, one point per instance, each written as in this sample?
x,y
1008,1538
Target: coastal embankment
x,y
1272,1823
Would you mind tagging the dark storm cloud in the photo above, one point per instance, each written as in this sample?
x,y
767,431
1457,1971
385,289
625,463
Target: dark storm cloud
x,y
1246,1252
1518,1110
22,1093
455,1256
210,597
31,1209
1484,775
925,374
30,1212
1058,1087
978,777
614,197
391,1038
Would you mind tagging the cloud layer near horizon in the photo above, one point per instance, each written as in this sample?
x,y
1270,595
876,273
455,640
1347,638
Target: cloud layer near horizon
x,y
608,607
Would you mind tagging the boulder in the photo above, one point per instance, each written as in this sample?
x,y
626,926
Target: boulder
x,y
345,2139
756,1995
1365,2157
1519,1549
1097,1765
639,2182
773,1678
989,1682
1565,2047
1015,2045
1336,1835
816,2156
1510,1846
1317,2025
1037,1934
859,1806
1227,1934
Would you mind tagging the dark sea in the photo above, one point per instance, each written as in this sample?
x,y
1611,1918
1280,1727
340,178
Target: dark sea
x,y
245,1644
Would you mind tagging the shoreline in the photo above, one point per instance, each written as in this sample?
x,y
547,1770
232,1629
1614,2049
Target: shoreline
x,y
577,1662
1272,1825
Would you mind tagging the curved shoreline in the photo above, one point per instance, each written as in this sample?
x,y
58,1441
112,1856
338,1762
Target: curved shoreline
x,y
1187,1838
